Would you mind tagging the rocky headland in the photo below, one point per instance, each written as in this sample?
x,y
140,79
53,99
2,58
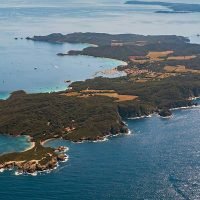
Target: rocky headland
x,y
37,159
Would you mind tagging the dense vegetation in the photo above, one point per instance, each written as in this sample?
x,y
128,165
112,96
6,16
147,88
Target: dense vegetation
x,y
104,39
44,116
124,52
153,95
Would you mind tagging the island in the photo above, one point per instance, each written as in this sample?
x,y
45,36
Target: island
x,y
173,7
162,73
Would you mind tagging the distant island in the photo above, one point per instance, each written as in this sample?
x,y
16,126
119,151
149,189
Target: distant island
x,y
174,7
162,72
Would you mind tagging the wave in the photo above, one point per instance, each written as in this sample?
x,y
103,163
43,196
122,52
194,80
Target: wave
x,y
2,170
185,107
66,159
141,117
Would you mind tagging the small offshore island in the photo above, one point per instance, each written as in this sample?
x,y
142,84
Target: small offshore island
x,y
162,74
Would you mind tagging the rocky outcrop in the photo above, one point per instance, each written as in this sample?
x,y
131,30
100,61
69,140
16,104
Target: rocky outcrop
x,y
165,113
61,157
32,166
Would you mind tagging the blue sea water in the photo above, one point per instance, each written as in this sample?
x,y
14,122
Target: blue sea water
x,y
159,160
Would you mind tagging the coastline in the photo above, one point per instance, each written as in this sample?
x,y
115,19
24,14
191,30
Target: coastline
x,y
45,141
104,72
103,139
167,117
32,165
13,165
65,87
186,107
32,144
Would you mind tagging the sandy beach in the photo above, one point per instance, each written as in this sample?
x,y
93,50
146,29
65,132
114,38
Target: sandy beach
x,y
45,141
32,145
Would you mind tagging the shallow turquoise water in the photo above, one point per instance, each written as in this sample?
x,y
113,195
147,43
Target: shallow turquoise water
x,y
10,144
4,95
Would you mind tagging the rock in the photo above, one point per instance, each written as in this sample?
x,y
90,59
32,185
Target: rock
x,y
61,54
19,165
40,167
9,165
52,164
61,157
124,129
165,113
60,149
29,167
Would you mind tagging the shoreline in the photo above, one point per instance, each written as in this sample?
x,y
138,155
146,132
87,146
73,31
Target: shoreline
x,y
35,166
171,109
32,144
186,107
45,141
64,88
20,166
103,139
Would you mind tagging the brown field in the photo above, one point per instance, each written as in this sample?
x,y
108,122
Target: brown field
x,y
181,57
138,60
180,69
97,91
151,56
141,81
108,93
72,94
154,76
157,56
119,97
165,75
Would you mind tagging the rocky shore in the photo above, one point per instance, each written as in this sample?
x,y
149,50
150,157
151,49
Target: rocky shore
x,y
32,166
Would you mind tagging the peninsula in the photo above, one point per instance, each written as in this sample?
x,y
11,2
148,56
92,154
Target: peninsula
x,y
162,73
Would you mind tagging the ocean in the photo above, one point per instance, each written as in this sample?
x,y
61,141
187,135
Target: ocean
x,y
159,160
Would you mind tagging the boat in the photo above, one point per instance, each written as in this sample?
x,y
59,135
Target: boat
x,y
67,81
